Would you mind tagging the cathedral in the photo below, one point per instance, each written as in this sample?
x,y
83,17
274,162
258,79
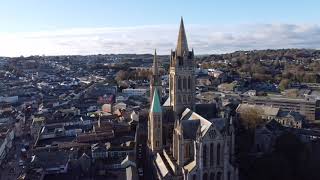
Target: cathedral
x,y
182,143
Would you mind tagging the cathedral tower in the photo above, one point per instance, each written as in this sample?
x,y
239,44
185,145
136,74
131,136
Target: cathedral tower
x,y
182,74
155,124
155,81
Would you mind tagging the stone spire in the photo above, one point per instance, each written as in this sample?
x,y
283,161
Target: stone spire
x,y
182,45
155,70
182,75
155,81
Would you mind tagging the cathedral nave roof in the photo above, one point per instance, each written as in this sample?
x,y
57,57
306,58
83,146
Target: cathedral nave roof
x,y
190,129
188,114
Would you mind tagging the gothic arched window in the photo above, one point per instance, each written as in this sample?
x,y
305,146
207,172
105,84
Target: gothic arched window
x,y
194,177
204,155
184,83
230,147
212,176
178,99
180,60
189,82
218,154
187,151
219,176
179,83
205,176
211,154
171,83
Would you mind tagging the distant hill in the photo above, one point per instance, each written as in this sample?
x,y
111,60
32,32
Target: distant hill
x,y
269,54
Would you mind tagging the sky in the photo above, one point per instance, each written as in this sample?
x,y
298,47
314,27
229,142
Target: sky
x,y
62,27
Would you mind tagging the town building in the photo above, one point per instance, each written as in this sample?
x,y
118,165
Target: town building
x,y
266,113
309,107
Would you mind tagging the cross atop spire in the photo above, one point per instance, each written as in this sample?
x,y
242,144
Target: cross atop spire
x,y
155,67
182,45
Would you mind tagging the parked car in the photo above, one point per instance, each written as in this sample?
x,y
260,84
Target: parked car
x,y
21,162
140,171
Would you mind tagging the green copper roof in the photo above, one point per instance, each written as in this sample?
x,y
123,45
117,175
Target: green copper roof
x,y
155,105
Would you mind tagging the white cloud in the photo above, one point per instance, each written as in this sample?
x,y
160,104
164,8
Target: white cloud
x,y
143,39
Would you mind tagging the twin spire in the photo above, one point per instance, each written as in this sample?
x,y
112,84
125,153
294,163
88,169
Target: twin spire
x,y
155,70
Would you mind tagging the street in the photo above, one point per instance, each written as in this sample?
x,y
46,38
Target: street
x,y
11,169
141,151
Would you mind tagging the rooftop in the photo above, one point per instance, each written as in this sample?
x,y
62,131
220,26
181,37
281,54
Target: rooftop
x,y
155,105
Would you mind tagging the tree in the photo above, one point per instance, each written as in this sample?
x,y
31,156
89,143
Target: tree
x,y
284,83
310,78
251,117
121,75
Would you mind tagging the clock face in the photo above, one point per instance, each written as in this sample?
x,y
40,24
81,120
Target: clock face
x,y
212,133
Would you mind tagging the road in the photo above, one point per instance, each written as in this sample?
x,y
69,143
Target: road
x,y
11,170
142,149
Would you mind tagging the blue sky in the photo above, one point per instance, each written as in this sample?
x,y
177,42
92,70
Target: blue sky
x,y
50,25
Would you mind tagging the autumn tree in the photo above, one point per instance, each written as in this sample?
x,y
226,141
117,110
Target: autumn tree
x,y
284,83
251,117
121,75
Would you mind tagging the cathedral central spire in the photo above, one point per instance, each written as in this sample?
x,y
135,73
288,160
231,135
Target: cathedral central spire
x,y
182,44
182,72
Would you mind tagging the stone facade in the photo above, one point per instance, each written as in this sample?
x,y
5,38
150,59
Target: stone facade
x,y
182,74
155,124
195,147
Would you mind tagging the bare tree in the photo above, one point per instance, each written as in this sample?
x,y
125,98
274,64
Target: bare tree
x,y
251,117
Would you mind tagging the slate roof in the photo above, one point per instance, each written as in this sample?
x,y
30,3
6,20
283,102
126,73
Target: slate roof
x,y
207,111
220,123
295,115
84,156
98,147
167,102
190,129
273,125
189,115
190,166
52,159
161,165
